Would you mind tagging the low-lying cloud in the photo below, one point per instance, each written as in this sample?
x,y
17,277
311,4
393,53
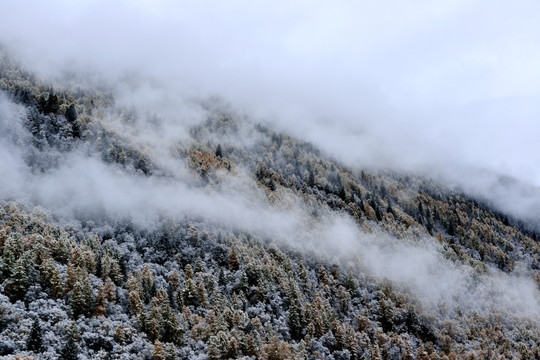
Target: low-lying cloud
x,y
447,89
82,186
422,267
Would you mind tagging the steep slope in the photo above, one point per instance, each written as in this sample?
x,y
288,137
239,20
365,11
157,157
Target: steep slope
x,y
118,240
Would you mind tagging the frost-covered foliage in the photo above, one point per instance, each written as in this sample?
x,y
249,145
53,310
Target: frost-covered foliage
x,y
185,286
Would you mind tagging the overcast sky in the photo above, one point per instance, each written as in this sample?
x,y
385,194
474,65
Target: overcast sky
x,y
437,86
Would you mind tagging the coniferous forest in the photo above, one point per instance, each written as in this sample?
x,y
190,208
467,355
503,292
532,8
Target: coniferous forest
x,y
237,241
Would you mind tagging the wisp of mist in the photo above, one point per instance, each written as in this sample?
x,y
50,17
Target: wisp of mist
x,y
82,186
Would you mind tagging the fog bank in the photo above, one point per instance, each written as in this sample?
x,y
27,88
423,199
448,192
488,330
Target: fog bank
x,y
445,89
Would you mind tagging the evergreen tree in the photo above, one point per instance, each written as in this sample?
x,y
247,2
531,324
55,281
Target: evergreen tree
x,y
52,105
159,351
219,151
101,302
188,272
109,290
250,347
233,347
8,259
202,293
35,342
341,193
343,299
71,113
311,179
148,283
190,293
82,298
52,278
17,284
172,332
234,263
70,350
296,325
214,348
199,266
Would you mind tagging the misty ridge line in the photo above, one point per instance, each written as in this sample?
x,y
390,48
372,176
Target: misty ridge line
x,y
238,203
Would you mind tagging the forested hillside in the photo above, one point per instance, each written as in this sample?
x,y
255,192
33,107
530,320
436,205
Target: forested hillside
x,y
237,241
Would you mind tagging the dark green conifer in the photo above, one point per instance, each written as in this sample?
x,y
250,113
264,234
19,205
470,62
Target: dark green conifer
x,y
82,298
70,350
35,341
296,324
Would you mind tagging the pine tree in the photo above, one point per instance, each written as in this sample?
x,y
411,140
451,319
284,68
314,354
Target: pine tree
x,y
171,330
136,302
296,325
109,290
190,293
82,298
311,179
8,259
320,320
171,353
352,343
159,351
99,265
155,319
188,272
233,347
19,281
62,249
148,283
35,342
52,105
72,274
387,315
199,266
71,113
101,302
341,193
343,299
214,348
202,294
250,348
219,151
234,263
53,278
174,279
70,350
304,277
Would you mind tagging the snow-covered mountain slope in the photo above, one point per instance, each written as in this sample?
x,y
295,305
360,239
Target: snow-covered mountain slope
x,y
129,235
